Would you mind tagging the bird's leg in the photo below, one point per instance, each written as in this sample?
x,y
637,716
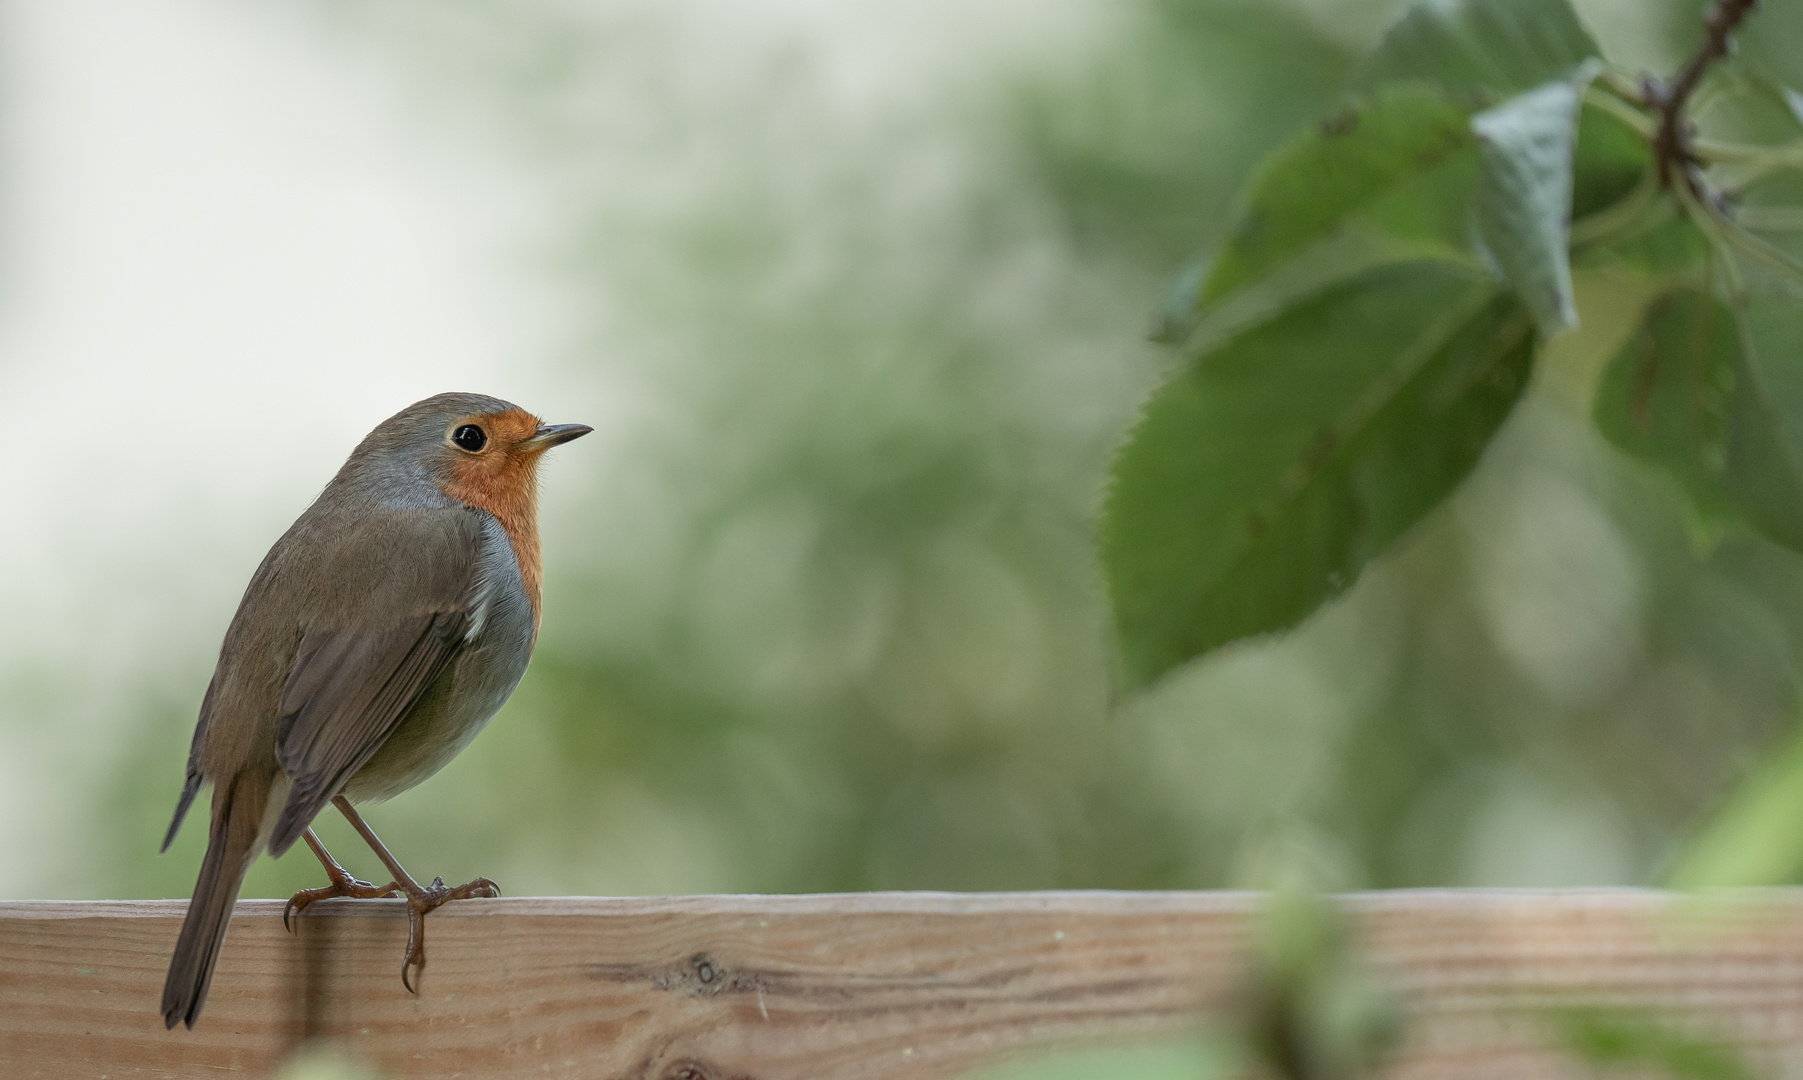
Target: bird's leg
x,y
343,884
420,898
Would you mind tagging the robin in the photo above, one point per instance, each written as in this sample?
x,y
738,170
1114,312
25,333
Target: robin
x,y
378,636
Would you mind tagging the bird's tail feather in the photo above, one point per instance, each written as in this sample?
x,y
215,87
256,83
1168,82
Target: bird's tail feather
x,y
238,809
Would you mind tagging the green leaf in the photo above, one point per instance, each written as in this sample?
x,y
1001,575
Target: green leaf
x,y
1264,477
1401,163
1665,395
1713,395
1672,246
1350,251
1611,160
1756,837
1481,51
1523,204
1764,473
1636,1037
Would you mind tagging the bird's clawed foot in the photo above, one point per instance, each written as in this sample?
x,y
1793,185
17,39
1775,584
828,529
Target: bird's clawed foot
x,y
343,884
425,899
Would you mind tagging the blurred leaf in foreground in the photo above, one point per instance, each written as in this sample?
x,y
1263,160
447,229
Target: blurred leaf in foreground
x,y
1634,1038
1313,1009
1185,1059
1757,838
321,1060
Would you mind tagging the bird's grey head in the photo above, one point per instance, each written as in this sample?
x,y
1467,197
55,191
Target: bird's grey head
x,y
433,451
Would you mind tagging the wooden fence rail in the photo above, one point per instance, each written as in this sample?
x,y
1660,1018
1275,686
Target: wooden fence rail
x,y
855,986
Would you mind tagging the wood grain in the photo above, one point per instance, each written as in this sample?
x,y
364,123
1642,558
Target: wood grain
x,y
856,986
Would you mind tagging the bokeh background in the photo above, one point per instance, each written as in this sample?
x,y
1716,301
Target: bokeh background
x,y
856,295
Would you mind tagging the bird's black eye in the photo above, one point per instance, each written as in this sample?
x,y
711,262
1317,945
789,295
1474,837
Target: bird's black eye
x,y
470,437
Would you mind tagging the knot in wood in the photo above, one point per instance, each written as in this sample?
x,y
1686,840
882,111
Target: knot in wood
x,y
704,968
690,1069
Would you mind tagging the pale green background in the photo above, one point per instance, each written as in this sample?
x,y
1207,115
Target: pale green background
x,y
856,296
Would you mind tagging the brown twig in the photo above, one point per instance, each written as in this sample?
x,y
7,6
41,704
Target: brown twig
x,y
1671,143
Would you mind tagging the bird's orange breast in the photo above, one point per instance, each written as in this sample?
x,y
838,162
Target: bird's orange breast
x,y
504,481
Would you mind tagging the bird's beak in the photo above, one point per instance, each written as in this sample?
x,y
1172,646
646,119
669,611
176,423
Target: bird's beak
x,y
549,435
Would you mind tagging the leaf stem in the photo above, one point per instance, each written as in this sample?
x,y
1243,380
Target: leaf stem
x,y
1672,151
1621,86
1714,152
1622,218
1730,235
1770,218
1625,111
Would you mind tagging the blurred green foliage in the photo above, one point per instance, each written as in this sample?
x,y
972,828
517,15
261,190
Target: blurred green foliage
x,y
1312,1010
1631,1040
1182,1059
1306,1008
1753,839
862,312
323,1061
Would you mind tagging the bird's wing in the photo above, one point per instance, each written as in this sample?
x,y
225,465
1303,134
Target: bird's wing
x,y
360,669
